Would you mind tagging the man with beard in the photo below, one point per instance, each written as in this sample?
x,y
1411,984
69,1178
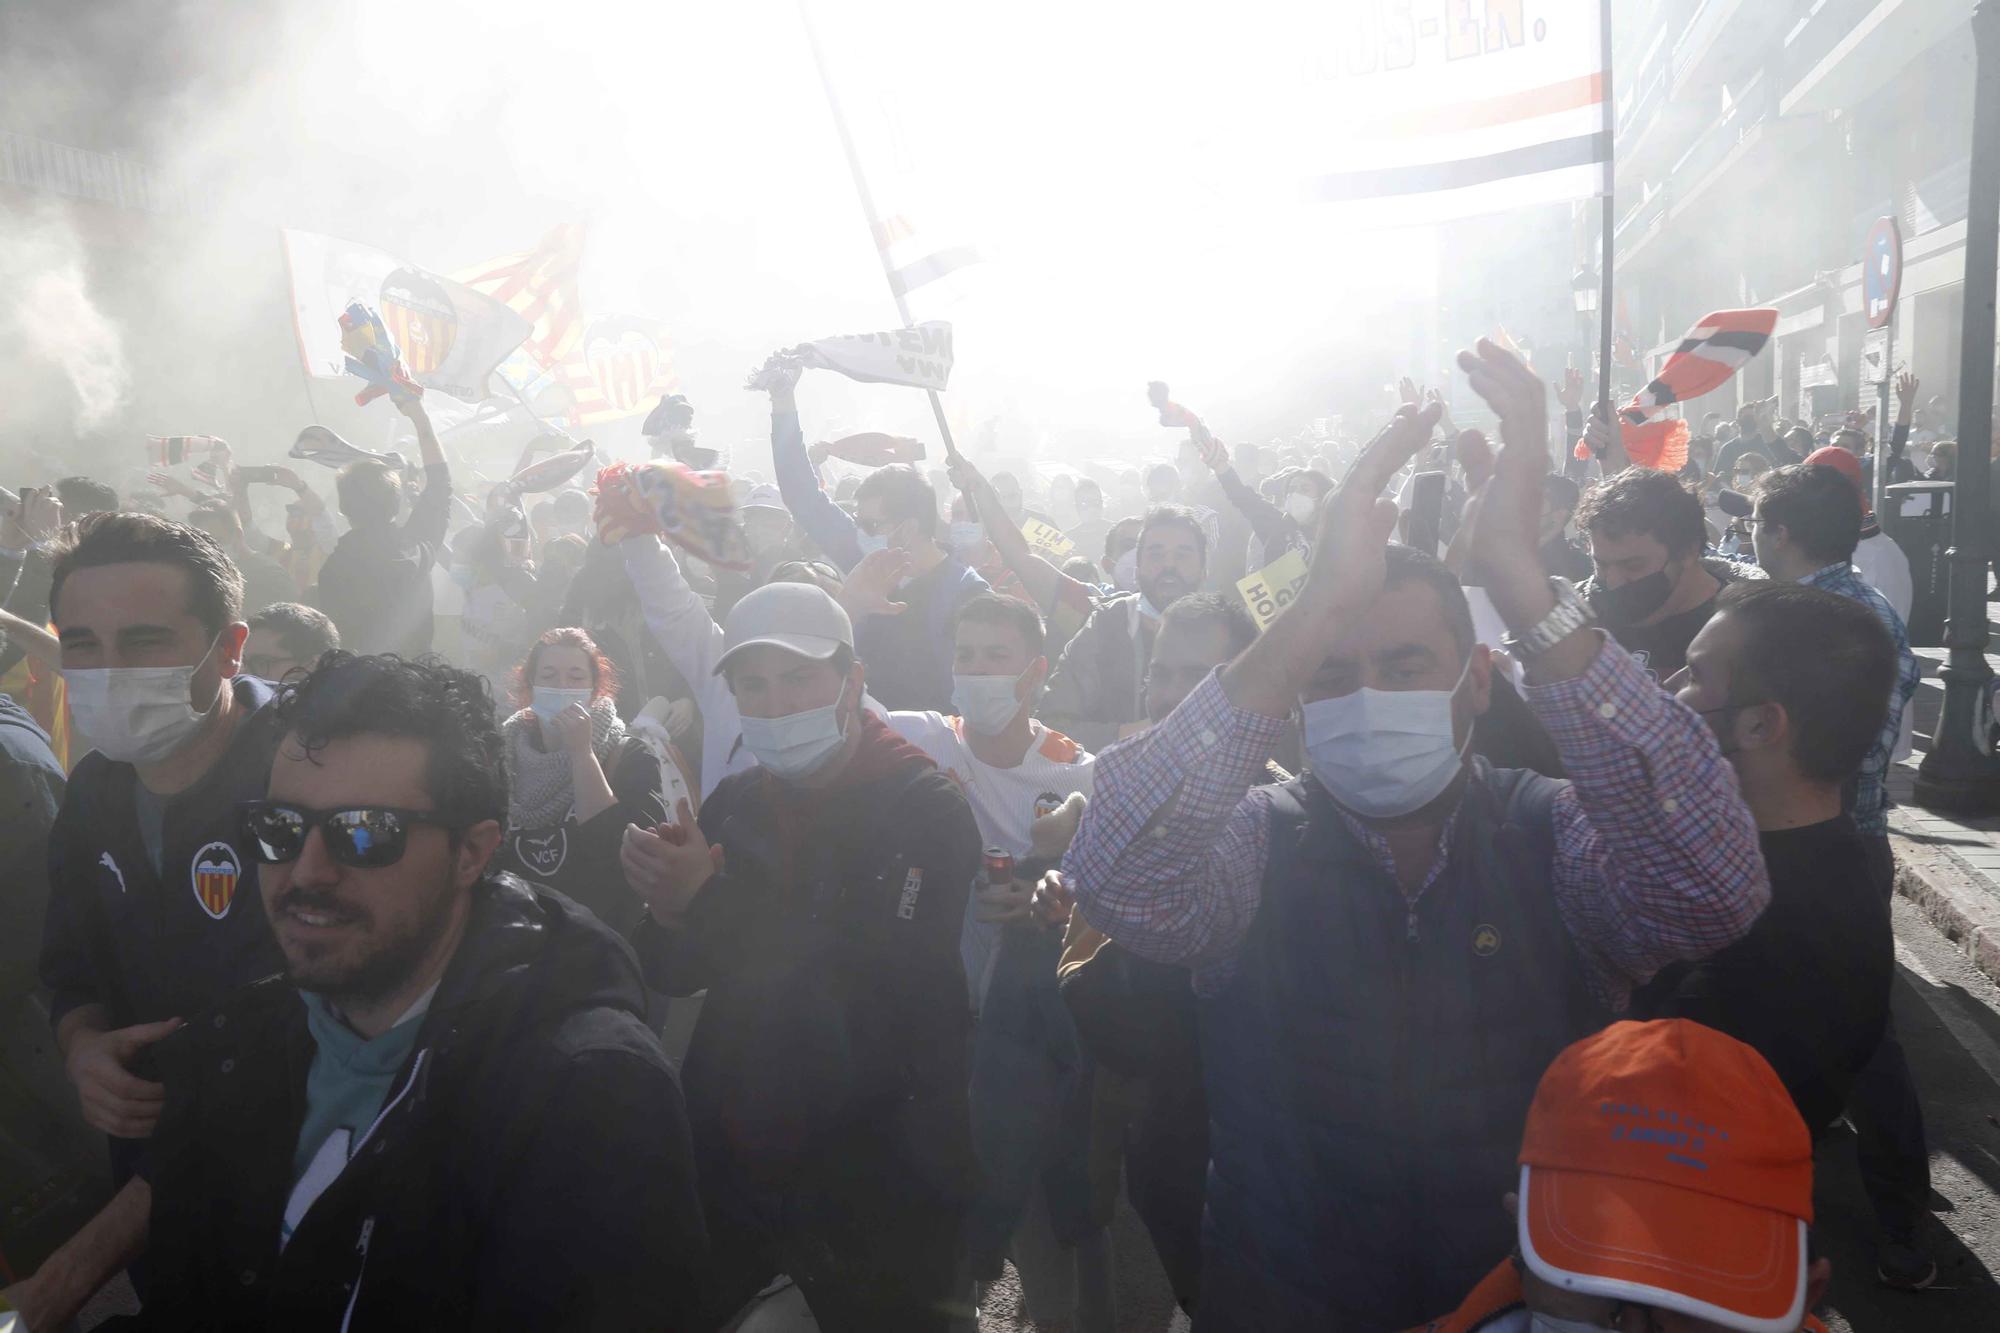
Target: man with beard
x,y
450,1112
1652,589
1097,689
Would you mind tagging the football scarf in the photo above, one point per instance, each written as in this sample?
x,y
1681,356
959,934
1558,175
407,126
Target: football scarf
x,y
693,510
1718,346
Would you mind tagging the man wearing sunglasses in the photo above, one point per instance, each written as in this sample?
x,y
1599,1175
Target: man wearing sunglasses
x,y
148,921
450,1111
819,900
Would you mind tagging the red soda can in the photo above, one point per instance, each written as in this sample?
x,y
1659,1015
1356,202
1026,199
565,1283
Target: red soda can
x,y
999,866
1047,804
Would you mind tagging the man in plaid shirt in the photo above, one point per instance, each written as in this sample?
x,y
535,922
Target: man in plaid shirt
x,y
1390,950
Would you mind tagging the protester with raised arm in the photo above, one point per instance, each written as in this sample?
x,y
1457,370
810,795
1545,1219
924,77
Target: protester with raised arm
x,y
1400,890
1064,602
376,582
894,507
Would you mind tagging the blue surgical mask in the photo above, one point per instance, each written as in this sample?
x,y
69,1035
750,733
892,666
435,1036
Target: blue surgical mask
x,y
796,745
966,538
870,542
987,703
1384,753
547,701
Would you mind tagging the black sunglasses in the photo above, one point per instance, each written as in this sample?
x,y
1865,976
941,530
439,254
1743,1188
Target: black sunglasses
x,y
366,837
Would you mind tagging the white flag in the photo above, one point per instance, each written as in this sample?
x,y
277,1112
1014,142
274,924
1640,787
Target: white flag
x,y
1456,109
451,336
919,357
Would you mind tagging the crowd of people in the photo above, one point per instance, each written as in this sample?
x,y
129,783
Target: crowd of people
x,y
456,918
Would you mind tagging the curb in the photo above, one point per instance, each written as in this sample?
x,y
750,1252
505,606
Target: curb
x,y
1954,897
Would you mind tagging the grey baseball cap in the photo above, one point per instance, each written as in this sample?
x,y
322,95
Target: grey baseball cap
x,y
798,617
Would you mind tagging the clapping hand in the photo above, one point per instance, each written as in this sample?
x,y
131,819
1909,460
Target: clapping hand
x,y
669,864
1506,524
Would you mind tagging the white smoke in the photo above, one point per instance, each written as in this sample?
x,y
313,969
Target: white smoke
x,y
47,313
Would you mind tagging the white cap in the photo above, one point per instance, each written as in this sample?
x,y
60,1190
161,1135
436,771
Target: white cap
x,y
798,617
765,496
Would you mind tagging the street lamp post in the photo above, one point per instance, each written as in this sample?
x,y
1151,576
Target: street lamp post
x,y
1961,771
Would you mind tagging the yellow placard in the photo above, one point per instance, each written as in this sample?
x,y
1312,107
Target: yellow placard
x,y
1047,540
1272,588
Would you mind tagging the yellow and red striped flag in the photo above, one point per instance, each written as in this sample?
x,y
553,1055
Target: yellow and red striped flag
x,y
540,285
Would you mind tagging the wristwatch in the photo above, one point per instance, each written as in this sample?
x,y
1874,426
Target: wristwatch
x,y
1570,614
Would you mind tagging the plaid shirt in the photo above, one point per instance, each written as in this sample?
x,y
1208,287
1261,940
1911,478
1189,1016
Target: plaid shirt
x,y
1656,856
1871,785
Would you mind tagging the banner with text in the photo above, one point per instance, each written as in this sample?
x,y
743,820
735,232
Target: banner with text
x,y
919,357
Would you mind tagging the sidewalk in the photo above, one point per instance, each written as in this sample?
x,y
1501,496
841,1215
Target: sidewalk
x,y
1947,865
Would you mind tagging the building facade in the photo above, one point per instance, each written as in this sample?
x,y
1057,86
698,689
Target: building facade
x,y
1757,141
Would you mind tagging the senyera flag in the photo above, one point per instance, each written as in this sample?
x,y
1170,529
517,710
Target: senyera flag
x,y
451,337
1457,109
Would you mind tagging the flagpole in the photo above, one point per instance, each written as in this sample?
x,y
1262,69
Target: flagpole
x,y
868,206
1609,219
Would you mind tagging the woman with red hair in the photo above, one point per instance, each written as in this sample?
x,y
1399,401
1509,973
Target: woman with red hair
x,y
575,777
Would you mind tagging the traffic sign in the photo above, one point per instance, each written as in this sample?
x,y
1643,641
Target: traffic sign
x,y
1881,272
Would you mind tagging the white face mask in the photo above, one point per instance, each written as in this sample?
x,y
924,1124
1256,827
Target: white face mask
x,y
967,538
987,703
871,542
1384,753
1300,506
1125,571
136,715
547,701
796,745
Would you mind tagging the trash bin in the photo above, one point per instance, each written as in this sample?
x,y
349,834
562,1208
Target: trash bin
x,y
1917,517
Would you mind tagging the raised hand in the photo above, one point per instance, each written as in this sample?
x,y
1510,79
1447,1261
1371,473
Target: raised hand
x,y
1507,519
1570,391
1906,392
669,864
870,583
1214,453
1355,524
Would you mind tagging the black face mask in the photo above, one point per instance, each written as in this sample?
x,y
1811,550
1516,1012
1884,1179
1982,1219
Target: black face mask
x,y
1630,603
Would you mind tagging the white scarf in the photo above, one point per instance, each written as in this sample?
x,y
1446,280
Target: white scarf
x,y
539,790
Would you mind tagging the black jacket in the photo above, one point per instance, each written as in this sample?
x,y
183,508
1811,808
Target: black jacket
x,y
581,858
376,582
531,1168
1098,684
830,1060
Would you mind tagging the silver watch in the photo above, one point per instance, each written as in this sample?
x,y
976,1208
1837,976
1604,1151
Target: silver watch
x,y
1570,614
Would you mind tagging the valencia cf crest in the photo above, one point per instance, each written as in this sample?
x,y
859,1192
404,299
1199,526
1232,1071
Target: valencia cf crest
x,y
543,853
421,318
215,873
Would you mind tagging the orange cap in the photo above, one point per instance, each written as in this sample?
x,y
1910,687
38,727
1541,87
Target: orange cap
x,y
1843,462
1664,1164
